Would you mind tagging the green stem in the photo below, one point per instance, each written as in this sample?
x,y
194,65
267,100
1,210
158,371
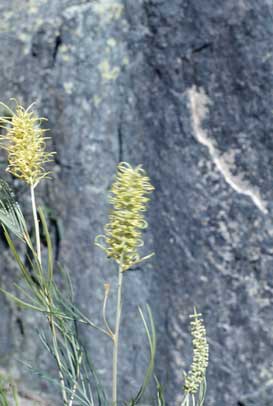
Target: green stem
x,y
57,357
36,223
76,382
48,300
116,337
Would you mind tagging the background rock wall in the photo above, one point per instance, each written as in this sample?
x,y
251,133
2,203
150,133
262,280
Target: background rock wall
x,y
185,88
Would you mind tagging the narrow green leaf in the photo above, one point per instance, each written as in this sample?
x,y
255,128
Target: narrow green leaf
x,y
17,258
35,288
28,295
11,215
21,302
151,335
160,393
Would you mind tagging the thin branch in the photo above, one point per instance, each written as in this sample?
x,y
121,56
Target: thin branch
x,y
106,295
116,336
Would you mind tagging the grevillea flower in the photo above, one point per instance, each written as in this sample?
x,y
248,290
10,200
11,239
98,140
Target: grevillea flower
x,y
123,233
25,143
199,365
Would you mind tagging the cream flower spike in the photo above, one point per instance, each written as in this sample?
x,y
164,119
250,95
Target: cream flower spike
x,y
197,373
25,143
123,233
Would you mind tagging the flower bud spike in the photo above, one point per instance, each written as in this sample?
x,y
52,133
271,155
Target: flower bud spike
x,y
197,373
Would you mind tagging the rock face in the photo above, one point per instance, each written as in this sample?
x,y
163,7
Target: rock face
x,y
183,87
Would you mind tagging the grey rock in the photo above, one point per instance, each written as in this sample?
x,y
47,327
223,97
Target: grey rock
x,y
184,88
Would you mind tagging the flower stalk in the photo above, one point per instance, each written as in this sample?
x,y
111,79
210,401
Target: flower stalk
x,y
36,223
123,238
106,295
116,336
50,316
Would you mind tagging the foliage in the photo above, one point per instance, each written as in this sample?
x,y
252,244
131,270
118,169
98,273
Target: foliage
x,y
8,390
78,380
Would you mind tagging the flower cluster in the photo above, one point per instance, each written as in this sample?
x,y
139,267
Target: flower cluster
x,y
24,141
123,233
200,355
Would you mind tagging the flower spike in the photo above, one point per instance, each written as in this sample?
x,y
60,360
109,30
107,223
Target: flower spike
x,y
25,143
123,233
197,373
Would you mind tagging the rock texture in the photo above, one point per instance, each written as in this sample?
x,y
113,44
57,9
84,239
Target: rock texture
x,y
184,87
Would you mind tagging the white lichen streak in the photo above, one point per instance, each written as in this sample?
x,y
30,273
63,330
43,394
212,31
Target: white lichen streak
x,y
198,105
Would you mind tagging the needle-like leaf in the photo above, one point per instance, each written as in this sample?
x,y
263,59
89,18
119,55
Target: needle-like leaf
x,y
11,215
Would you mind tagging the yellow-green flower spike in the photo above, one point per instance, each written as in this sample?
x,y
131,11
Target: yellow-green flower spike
x,y
25,143
123,233
197,373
